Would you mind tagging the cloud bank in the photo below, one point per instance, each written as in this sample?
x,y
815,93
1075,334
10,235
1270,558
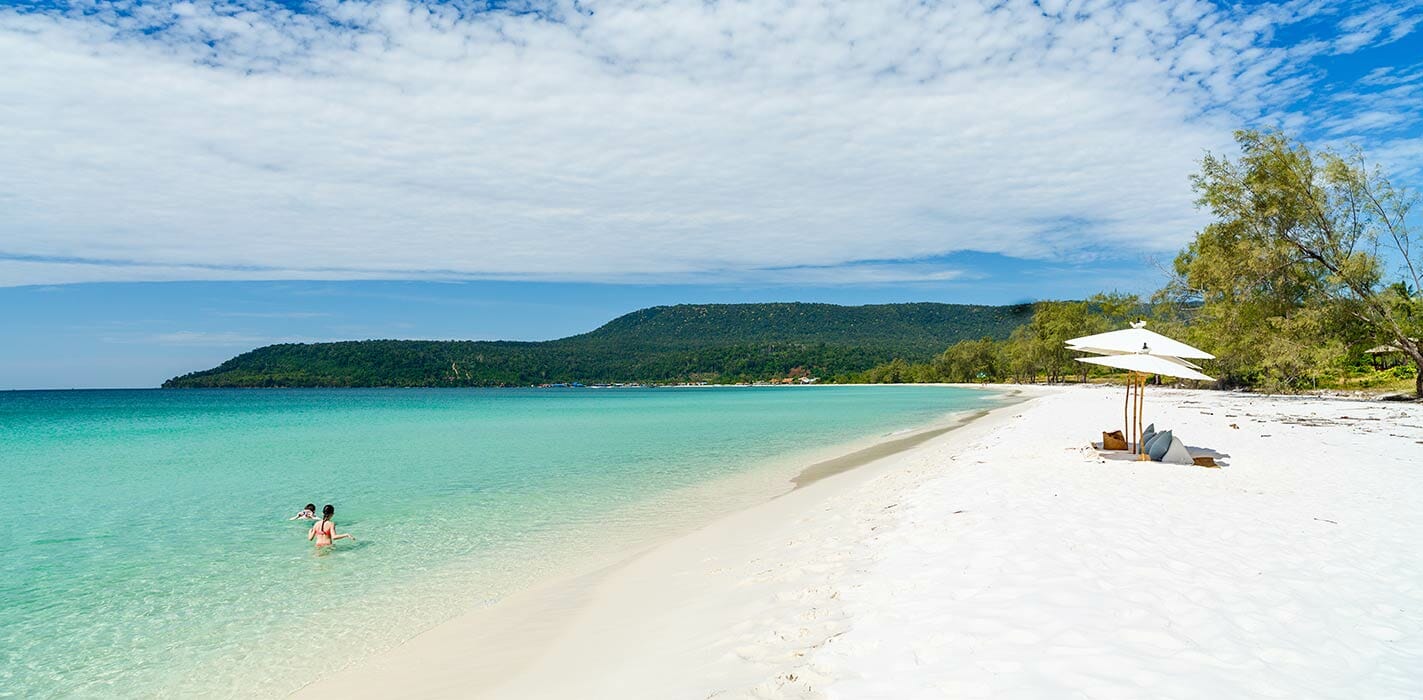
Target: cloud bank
x,y
624,140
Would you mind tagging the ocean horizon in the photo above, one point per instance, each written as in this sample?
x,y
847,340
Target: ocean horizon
x,y
147,548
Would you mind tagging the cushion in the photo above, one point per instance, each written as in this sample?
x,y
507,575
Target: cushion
x,y
1146,441
1159,445
1149,433
1114,441
1176,453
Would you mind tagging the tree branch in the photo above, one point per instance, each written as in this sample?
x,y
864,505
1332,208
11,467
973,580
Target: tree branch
x,y
1402,245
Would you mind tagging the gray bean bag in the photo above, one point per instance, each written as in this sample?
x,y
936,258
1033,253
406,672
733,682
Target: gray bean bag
x,y
1159,445
1176,453
1146,443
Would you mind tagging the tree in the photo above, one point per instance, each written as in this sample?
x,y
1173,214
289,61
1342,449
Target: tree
x,y
1299,249
1041,344
970,361
1117,309
1024,354
896,372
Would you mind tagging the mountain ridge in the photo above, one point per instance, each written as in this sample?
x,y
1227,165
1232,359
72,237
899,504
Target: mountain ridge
x,y
683,342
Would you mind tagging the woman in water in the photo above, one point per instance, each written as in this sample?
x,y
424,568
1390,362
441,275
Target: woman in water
x,y
307,513
324,532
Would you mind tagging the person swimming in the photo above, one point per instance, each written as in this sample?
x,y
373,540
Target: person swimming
x,y
324,532
307,513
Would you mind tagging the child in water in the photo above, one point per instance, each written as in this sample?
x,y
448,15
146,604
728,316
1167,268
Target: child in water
x,y
307,513
324,532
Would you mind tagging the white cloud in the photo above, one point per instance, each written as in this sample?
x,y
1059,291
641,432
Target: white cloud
x,y
1375,24
614,141
1402,156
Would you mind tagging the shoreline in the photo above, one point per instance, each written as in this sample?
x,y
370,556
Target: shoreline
x,y
859,458
492,645
1007,558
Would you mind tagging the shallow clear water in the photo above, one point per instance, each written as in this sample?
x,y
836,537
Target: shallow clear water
x,y
144,546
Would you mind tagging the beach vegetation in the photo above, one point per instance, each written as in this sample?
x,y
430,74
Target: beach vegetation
x,y
1309,257
1034,349
1306,277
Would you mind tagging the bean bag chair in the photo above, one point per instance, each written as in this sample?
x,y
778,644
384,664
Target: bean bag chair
x,y
1114,441
1176,453
1147,442
1159,445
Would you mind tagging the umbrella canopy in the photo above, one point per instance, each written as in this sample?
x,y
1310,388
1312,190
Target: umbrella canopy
x,y
1105,351
1137,340
1147,364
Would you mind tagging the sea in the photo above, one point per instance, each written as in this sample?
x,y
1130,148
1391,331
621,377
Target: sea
x,y
146,551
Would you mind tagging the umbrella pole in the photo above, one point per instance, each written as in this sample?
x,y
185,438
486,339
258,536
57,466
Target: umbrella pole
x,y
1135,407
1136,414
1126,421
1135,442
1140,414
1135,397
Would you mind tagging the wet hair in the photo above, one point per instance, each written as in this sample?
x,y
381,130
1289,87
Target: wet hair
x,y
311,507
327,511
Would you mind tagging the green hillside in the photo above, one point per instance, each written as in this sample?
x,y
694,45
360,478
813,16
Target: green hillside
x,y
713,342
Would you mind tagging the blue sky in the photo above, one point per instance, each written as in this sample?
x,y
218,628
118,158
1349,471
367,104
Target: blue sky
x,y
125,334
187,180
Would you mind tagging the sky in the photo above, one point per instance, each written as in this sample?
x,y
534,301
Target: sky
x,y
184,181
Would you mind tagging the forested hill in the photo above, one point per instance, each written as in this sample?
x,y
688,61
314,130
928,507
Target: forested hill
x,y
711,342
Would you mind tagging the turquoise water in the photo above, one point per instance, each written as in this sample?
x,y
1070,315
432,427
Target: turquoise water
x,y
144,546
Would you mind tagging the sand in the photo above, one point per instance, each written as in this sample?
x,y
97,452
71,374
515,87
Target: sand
x,y
1003,559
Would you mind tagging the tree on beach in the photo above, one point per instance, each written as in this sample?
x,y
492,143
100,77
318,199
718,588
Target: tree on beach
x,y
1023,354
970,361
1041,343
1297,261
897,371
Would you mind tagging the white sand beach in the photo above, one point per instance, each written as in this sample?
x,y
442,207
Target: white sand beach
x,y
1003,559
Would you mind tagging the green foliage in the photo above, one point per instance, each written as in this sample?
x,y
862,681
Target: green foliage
x,y
1055,323
896,371
1117,309
1292,272
1037,347
971,361
1287,285
717,342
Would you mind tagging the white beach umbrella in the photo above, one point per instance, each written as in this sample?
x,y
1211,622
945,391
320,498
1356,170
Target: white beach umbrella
x,y
1148,364
1137,340
1106,351
1142,365
1142,353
